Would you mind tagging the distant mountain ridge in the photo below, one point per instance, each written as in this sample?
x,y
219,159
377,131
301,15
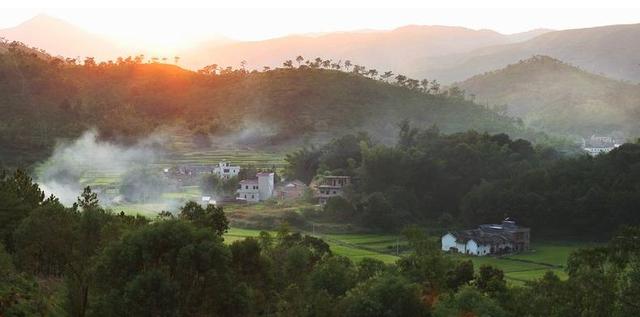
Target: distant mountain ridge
x,y
611,50
554,96
59,37
398,50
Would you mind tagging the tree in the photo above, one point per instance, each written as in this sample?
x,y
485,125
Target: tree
x,y
460,275
288,64
88,199
42,239
385,295
347,64
176,59
211,217
387,75
19,195
491,280
299,59
424,84
302,164
401,79
187,267
468,302
209,70
335,275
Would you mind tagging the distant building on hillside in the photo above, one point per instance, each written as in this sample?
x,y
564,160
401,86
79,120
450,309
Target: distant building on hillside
x,y
488,239
290,190
331,186
256,189
225,170
599,144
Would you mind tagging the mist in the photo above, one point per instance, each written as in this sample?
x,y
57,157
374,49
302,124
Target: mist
x,y
88,159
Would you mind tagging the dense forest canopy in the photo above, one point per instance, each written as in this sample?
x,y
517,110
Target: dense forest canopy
x,y
465,179
87,261
45,99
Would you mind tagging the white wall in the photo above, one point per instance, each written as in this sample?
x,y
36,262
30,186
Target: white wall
x,y
265,185
472,247
448,242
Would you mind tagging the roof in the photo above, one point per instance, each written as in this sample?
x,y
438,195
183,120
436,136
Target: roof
x,y
480,236
335,176
293,183
252,180
264,174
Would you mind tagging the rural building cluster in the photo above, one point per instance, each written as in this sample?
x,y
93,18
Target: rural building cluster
x,y
487,239
264,185
599,144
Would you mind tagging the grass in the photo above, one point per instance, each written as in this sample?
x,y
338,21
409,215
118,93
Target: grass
x,y
533,264
340,244
518,268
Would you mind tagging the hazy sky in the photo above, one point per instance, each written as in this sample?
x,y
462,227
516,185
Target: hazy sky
x,y
159,22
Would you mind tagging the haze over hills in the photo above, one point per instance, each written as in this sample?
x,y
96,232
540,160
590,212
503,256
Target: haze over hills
x,y
398,50
59,37
557,97
611,50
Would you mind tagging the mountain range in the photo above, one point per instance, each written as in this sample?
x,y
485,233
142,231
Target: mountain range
x,y
571,82
557,97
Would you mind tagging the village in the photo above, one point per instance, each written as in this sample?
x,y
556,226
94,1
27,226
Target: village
x,y
261,186
488,239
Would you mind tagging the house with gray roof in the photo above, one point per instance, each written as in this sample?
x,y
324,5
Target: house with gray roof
x,y
487,239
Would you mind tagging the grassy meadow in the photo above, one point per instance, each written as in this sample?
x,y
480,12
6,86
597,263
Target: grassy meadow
x,y
518,268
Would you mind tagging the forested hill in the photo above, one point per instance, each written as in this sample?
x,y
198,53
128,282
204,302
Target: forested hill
x,y
44,99
557,97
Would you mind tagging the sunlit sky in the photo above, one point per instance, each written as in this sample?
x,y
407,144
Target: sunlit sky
x,y
161,23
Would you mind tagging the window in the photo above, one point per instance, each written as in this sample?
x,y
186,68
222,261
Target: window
x,y
252,196
226,170
246,187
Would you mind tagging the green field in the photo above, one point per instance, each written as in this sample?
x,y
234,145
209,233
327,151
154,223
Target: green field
x,y
353,246
526,266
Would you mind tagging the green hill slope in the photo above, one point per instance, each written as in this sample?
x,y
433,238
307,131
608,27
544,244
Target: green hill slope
x,y
43,100
556,97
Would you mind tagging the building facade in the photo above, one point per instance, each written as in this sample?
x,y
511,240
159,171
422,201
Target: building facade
x,y
290,190
331,186
248,190
488,239
225,170
256,189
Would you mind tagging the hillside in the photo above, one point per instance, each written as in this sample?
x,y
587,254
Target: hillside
x,y
554,96
395,50
60,38
611,50
44,101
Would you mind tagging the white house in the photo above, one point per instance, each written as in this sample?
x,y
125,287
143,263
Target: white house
x,y
256,189
248,190
225,170
488,239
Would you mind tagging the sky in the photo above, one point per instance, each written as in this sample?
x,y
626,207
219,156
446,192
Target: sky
x,y
188,21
